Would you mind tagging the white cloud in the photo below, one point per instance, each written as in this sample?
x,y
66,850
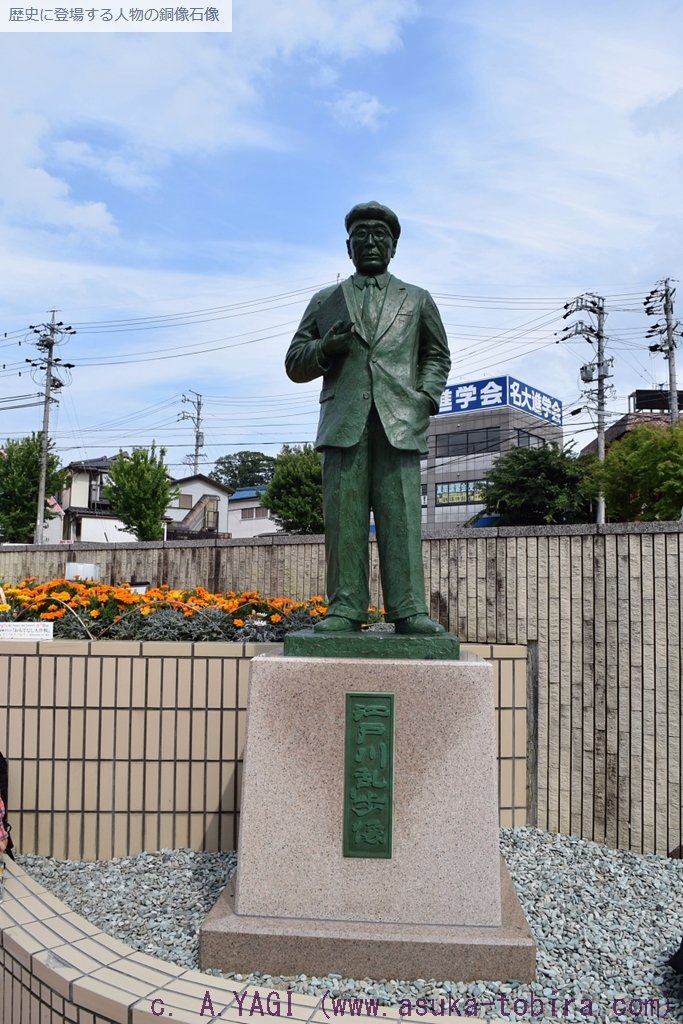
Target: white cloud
x,y
124,171
533,161
176,94
357,109
31,195
122,107
267,28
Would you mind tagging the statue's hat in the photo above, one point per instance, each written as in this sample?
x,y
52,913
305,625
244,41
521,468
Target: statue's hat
x,y
373,211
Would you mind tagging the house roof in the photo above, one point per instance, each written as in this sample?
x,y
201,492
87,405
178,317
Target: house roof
x,y
624,426
248,492
206,480
102,463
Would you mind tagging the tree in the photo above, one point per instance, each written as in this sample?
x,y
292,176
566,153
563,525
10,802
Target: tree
x,y
140,491
295,494
643,475
243,469
541,487
19,484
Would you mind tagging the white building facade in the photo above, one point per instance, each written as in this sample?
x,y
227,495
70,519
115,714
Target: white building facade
x,y
477,423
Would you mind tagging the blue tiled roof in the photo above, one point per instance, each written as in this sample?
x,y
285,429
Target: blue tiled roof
x,y
247,492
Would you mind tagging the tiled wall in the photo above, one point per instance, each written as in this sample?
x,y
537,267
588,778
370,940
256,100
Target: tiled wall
x,y
120,747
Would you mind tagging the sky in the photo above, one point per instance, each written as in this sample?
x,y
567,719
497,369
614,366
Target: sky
x,y
178,197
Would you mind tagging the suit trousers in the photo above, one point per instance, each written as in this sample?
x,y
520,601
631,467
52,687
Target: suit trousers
x,y
373,475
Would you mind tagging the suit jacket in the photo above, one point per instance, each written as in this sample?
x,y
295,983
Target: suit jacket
x,y
402,369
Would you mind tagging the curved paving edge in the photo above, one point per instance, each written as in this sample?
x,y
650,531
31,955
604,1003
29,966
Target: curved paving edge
x,y
56,967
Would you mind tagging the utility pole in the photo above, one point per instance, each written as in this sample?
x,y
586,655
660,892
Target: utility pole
x,y
598,370
196,418
49,335
662,295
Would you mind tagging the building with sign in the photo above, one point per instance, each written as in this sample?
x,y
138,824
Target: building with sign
x,y
478,421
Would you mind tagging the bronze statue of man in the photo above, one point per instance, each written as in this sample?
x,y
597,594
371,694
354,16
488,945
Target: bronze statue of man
x,y
381,349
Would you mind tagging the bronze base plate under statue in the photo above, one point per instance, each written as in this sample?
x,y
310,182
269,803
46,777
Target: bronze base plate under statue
x,y
441,904
306,643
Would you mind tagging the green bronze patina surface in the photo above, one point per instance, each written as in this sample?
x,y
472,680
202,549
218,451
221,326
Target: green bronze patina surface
x,y
369,775
306,643
381,349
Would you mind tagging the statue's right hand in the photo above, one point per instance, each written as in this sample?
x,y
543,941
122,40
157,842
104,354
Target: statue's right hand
x,y
338,340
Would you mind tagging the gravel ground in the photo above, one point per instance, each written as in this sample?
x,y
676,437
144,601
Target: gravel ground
x,y
605,922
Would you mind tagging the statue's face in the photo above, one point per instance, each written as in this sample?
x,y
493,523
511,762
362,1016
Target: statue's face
x,y
371,245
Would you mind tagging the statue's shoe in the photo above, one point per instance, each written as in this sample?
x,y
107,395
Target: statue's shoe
x,y
334,624
418,625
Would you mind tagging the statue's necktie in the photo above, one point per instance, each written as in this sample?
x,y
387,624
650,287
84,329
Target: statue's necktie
x,y
371,300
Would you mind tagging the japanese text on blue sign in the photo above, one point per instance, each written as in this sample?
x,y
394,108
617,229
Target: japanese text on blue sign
x,y
501,391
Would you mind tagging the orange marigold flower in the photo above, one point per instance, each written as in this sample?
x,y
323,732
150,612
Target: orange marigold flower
x,y
238,622
95,613
276,618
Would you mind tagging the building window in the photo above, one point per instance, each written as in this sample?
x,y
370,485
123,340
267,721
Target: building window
x,y
460,492
97,484
468,442
527,440
255,513
185,501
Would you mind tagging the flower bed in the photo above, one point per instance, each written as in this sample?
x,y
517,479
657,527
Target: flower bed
x,y
94,611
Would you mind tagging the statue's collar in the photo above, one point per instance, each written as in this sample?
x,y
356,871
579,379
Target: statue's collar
x,y
382,279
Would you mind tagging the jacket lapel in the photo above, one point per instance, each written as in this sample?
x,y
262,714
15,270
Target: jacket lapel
x,y
393,300
354,307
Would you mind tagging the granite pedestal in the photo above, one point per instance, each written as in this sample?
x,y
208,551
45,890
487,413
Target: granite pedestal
x,y
442,906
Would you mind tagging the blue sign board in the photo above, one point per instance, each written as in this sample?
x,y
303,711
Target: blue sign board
x,y
494,392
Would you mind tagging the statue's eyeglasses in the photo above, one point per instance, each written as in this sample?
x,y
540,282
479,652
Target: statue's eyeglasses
x,y
378,232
